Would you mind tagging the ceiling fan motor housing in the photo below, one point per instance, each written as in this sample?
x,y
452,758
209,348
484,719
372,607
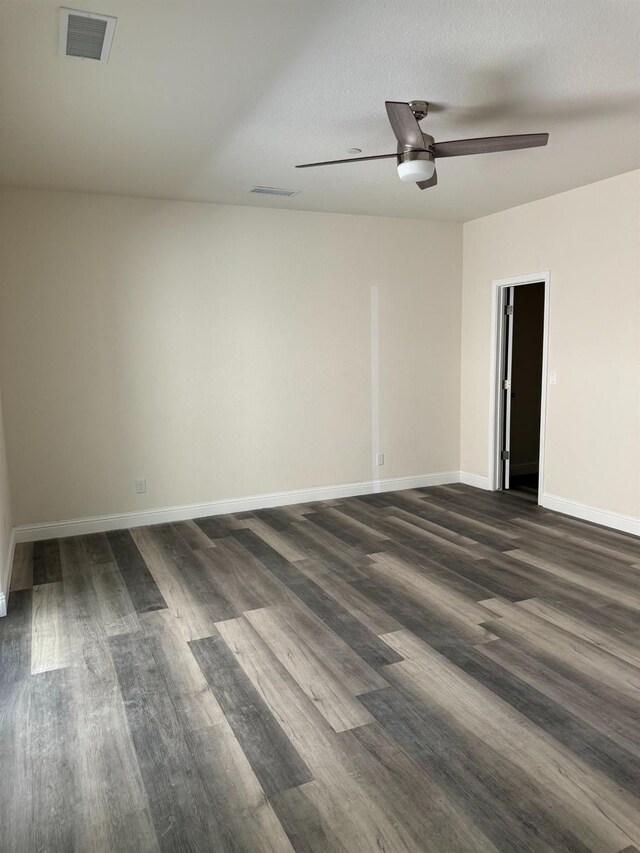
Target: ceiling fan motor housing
x,y
420,109
416,165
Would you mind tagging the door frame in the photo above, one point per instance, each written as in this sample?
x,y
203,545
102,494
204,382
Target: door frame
x,y
496,408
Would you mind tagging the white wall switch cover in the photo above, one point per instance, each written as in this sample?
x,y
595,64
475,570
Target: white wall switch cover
x,y
379,458
141,487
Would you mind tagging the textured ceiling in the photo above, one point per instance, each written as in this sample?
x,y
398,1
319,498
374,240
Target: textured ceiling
x,y
202,100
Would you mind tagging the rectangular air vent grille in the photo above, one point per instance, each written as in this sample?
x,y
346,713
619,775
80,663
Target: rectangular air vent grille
x,y
274,191
84,35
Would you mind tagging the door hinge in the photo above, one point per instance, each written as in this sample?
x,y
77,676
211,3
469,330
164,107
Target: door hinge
x,y
506,385
508,309
504,454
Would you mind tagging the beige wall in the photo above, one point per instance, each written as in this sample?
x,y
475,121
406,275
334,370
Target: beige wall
x,y
6,518
223,351
218,351
589,239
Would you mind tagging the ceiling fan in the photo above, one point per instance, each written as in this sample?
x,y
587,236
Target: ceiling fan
x,y
417,151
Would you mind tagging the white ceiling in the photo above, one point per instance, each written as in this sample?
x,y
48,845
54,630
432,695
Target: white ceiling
x,y
201,100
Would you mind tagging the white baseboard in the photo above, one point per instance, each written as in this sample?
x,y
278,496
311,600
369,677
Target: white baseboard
x,y
475,480
5,574
102,523
626,523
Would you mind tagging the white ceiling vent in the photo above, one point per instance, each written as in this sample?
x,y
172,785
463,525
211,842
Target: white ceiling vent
x,y
274,191
84,35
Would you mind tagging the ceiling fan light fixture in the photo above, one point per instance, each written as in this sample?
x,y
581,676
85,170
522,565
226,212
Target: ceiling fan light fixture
x,y
416,170
417,151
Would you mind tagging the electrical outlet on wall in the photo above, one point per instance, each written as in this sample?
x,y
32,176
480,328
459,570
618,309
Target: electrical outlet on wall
x,y
141,487
553,378
379,458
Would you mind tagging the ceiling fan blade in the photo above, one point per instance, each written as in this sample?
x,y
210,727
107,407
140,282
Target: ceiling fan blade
x,y
489,144
424,185
348,160
404,124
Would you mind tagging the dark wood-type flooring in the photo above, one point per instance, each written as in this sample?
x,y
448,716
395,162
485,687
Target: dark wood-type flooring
x,y
442,669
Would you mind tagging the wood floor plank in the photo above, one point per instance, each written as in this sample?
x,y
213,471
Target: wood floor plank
x,y
194,702
523,581
242,580
465,615
456,576
277,518
37,782
245,818
339,514
338,526
577,694
627,649
272,537
355,817
46,562
489,790
22,567
591,546
420,518
15,638
440,542
621,620
194,573
195,616
557,642
578,558
361,608
182,816
462,569
601,815
494,535
318,821
430,625
139,581
596,748
117,611
370,648
598,534
193,535
306,814
438,822
315,543
272,757
112,811
48,634
339,708
337,655
218,526
97,548
608,589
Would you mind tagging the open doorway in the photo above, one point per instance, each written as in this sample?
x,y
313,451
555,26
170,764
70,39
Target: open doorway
x,y
519,383
522,387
